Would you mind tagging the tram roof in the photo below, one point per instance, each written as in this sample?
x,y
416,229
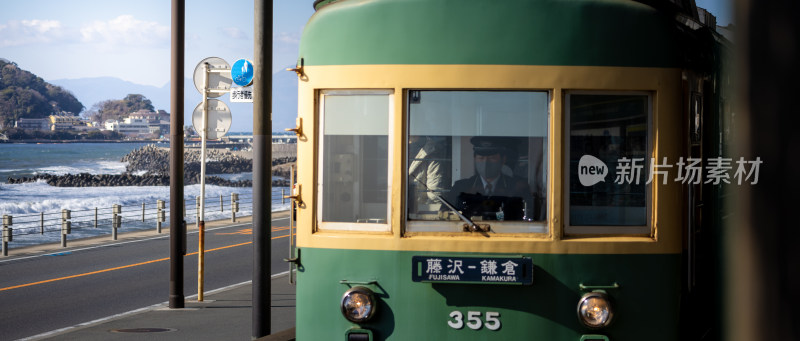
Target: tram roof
x,y
508,32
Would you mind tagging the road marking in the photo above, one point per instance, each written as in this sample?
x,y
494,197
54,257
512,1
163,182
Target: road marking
x,y
121,267
250,231
81,275
242,231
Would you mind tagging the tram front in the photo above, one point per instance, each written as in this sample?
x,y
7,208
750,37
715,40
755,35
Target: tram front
x,y
467,171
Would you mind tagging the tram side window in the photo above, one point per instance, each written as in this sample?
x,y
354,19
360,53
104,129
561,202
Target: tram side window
x,y
354,182
480,153
608,161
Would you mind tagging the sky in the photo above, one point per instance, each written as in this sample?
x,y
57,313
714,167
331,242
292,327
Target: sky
x,y
130,40
722,9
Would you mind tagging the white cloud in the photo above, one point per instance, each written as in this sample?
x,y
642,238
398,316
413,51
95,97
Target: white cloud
x,y
288,38
27,32
126,30
234,33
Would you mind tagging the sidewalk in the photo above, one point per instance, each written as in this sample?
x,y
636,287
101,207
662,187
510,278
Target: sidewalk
x,y
223,315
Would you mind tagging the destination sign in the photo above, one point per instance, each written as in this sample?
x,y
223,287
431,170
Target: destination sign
x,y
480,270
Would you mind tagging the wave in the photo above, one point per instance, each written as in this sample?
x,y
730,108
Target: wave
x,y
235,177
30,198
93,167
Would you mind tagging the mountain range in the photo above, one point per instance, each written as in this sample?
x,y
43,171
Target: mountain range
x,y
90,91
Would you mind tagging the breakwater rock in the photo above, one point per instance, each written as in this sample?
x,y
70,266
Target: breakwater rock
x,y
151,158
154,159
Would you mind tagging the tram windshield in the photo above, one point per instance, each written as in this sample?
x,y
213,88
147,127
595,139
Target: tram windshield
x,y
607,162
480,153
353,184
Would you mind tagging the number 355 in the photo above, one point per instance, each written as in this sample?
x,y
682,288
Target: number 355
x,y
474,320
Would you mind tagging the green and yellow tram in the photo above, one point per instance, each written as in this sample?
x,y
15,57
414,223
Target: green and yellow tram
x,y
504,170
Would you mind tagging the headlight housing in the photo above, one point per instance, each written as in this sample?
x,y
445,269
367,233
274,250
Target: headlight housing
x,y
594,310
359,304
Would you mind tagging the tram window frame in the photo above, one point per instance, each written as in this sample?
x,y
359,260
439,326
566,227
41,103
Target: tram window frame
x,y
608,229
369,225
460,147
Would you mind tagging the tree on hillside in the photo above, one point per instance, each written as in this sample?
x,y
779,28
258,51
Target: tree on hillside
x,y
118,109
25,95
137,102
16,102
63,100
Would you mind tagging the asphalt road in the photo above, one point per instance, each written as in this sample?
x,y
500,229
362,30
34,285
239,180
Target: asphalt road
x,y
51,291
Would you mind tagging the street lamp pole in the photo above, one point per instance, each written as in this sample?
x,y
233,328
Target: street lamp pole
x,y
262,167
177,231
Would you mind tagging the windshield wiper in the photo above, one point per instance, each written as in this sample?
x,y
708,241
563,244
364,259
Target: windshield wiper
x,y
472,226
469,223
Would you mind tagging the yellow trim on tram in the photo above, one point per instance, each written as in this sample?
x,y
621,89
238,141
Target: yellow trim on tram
x,y
667,210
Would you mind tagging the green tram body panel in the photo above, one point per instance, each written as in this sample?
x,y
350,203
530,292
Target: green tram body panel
x,y
508,32
645,305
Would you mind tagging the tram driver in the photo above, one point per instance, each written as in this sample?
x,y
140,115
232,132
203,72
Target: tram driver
x,y
492,193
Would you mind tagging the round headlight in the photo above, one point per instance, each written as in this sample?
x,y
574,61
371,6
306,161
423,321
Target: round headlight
x,y
594,310
358,304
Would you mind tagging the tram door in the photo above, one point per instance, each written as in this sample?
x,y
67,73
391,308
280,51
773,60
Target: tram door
x,y
702,229
694,191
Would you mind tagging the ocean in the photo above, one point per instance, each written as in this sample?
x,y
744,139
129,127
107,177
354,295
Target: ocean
x,y
26,202
26,159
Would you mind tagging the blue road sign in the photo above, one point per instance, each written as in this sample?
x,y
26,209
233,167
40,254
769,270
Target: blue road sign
x,y
242,72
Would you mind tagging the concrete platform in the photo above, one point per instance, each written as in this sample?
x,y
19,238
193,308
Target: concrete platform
x,y
225,314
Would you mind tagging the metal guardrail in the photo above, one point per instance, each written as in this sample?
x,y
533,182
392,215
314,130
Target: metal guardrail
x,y
116,217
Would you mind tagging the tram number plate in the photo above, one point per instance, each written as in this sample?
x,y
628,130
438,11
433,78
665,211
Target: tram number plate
x,y
479,270
474,321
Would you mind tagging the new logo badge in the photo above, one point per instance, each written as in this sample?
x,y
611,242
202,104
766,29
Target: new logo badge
x,y
591,170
